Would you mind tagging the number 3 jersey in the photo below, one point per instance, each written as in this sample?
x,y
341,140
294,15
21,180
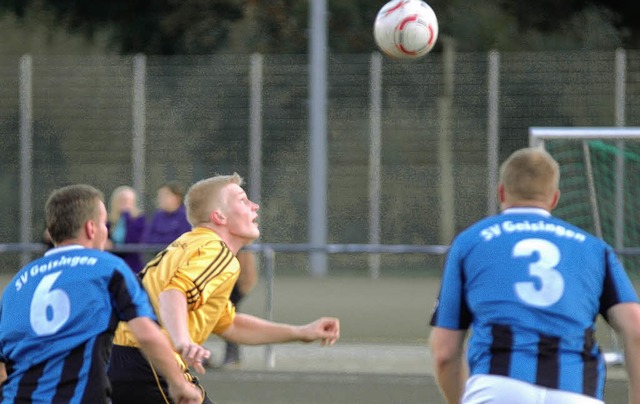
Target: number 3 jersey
x,y
57,320
531,286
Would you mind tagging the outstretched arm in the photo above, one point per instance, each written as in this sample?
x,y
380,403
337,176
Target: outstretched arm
x,y
173,315
448,361
251,330
158,349
625,318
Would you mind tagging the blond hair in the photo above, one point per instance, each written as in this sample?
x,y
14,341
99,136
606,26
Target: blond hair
x,y
204,196
530,174
114,210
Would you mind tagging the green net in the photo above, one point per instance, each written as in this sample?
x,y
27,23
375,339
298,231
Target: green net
x,y
599,182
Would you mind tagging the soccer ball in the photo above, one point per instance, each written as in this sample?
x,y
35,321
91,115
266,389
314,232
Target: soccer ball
x,y
406,29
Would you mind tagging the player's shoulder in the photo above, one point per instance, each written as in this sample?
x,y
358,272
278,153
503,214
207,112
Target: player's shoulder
x,y
199,238
87,256
475,230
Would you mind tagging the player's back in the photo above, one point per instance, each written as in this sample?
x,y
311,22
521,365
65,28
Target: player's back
x,y
534,272
533,287
57,323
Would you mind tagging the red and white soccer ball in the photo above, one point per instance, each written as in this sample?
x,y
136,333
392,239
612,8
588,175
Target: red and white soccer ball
x,y
406,29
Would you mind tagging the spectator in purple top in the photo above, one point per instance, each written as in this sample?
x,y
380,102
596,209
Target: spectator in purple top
x,y
126,224
170,219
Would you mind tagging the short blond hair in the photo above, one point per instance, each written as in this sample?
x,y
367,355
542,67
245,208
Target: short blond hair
x,y
530,174
204,196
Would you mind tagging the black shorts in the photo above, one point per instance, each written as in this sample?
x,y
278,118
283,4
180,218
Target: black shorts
x,y
134,381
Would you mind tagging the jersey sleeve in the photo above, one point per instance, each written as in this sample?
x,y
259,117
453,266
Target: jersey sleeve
x,y
225,319
129,297
617,287
451,310
2,356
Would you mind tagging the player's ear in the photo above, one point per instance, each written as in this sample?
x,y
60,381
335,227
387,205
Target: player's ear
x,y
501,194
90,229
217,217
555,200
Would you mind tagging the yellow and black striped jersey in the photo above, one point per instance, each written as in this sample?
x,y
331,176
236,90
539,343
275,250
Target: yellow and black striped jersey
x,y
200,265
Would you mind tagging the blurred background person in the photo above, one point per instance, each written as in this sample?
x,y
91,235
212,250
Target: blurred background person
x,y
126,224
169,221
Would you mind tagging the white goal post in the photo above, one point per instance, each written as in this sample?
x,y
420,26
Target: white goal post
x,y
596,164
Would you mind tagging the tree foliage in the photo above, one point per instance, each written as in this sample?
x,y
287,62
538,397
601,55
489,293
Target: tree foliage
x,y
281,26
155,27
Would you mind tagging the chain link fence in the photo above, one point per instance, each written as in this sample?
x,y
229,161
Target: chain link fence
x,y
142,121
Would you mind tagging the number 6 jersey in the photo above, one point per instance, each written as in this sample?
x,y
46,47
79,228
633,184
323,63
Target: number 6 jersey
x,y
57,320
531,286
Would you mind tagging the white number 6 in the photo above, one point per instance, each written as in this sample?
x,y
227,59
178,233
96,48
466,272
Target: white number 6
x,y
49,308
550,280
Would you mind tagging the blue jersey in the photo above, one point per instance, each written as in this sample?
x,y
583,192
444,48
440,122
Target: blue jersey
x,y
57,320
531,286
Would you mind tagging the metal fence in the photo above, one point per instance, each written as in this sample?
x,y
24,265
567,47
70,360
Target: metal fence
x,y
412,147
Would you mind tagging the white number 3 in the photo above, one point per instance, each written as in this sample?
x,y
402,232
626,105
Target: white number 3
x,y
50,308
551,284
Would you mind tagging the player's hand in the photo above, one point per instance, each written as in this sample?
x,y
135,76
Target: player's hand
x,y
194,355
325,329
185,393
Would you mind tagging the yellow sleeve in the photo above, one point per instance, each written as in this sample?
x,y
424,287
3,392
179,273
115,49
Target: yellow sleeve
x,y
225,319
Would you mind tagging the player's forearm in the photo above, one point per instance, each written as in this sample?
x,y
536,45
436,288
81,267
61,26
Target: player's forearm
x,y
157,348
632,362
160,353
251,330
173,316
451,377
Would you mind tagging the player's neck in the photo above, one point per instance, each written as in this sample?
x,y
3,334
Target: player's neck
x,y
233,243
525,204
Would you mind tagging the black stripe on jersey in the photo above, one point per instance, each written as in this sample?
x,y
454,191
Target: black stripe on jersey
x,y
501,348
29,383
590,372
609,295
152,264
122,298
465,314
218,265
548,361
69,377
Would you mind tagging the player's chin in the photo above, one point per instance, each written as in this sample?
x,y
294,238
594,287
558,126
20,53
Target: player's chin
x,y
253,234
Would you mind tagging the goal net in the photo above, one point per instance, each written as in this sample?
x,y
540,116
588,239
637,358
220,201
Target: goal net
x,y
600,187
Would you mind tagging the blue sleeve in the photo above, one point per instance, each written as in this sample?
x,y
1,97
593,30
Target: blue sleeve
x,y
617,286
130,300
451,309
2,357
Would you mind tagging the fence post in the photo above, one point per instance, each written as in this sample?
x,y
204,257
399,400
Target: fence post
x,y
26,153
139,124
318,157
375,126
493,125
270,266
255,128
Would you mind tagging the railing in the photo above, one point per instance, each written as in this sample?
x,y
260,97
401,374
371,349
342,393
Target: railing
x,y
268,251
